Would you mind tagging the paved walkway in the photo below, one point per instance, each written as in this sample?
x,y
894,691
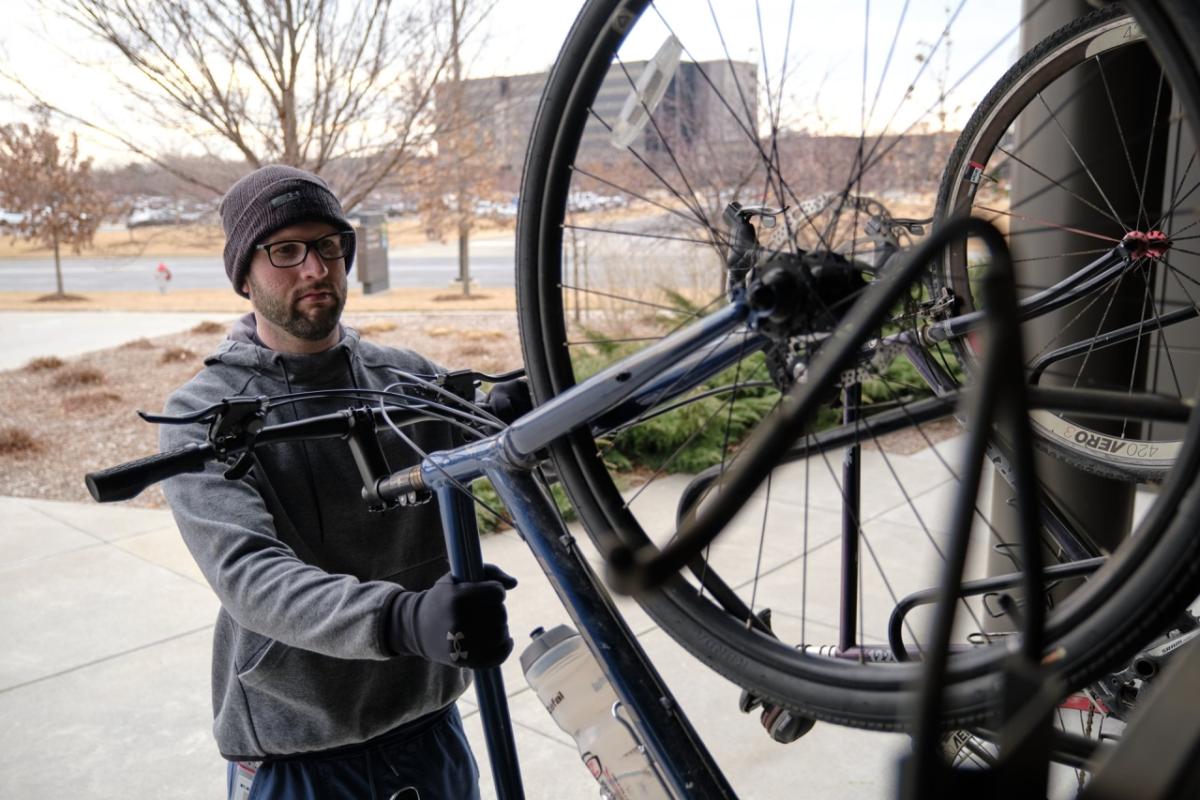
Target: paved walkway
x,y
104,688
29,334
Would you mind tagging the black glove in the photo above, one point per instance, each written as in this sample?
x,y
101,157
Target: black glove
x,y
510,400
457,623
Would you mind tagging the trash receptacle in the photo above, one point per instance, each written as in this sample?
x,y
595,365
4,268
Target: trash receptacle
x,y
371,255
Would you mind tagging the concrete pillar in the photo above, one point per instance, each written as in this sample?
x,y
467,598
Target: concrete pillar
x,y
1085,123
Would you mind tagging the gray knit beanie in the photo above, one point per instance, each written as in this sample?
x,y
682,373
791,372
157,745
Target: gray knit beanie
x,y
270,198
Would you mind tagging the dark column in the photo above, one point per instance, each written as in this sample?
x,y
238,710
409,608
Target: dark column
x,y
1077,116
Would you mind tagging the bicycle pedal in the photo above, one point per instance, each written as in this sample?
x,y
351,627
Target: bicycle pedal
x,y
782,725
785,726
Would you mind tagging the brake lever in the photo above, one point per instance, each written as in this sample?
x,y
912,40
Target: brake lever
x,y
203,415
237,423
511,375
463,382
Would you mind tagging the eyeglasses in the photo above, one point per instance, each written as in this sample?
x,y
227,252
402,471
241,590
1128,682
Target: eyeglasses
x,y
292,253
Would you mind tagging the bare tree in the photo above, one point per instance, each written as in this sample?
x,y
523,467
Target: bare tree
x,y
340,89
51,190
466,166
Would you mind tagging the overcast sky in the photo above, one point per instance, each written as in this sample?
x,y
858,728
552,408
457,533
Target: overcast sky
x,y
825,49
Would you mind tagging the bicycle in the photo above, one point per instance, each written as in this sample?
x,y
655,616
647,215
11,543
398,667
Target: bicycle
x,y
791,324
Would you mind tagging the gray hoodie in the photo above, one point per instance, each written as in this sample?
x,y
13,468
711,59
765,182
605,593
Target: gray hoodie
x,y
303,571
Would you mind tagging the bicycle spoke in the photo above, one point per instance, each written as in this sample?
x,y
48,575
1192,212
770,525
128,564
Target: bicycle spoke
x,y
1150,146
1176,203
1165,348
1076,195
773,113
762,538
667,391
750,136
1124,145
857,162
694,219
1055,258
1115,216
750,121
1099,327
666,464
626,340
1066,327
871,162
1049,225
661,236
804,569
1147,301
887,63
698,208
697,213
633,300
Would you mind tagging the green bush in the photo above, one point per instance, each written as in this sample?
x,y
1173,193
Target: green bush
x,y
703,432
693,436
699,434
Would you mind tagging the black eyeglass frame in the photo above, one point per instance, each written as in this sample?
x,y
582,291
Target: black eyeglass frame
x,y
309,245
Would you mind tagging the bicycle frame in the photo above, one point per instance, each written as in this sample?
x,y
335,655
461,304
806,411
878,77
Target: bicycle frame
x,y
615,396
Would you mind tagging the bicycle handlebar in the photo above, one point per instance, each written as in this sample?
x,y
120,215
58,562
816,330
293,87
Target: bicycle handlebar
x,y
125,481
128,480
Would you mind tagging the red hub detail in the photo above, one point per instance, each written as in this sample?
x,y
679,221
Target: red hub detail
x,y
1147,245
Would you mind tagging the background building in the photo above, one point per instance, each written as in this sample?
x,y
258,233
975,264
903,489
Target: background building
x,y
693,111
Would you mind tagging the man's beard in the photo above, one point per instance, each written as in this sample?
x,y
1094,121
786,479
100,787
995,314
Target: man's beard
x,y
283,312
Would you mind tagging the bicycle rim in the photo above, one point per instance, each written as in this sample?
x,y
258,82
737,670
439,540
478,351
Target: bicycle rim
x,y
1079,199
564,336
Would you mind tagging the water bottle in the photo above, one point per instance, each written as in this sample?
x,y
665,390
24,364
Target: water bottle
x,y
572,687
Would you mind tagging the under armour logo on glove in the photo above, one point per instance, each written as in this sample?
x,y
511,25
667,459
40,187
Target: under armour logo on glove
x,y
455,612
456,648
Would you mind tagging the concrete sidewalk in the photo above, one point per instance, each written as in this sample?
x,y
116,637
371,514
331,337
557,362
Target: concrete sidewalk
x,y
30,334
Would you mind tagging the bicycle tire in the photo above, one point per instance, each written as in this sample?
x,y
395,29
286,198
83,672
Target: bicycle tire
x,y
1097,34
1129,598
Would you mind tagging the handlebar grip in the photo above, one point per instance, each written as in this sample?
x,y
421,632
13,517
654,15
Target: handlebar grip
x,y
128,480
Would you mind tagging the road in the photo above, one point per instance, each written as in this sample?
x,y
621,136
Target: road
x,y
426,265
624,265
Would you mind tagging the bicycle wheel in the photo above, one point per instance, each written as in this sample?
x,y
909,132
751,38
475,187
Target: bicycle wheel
x,y
619,244
1122,181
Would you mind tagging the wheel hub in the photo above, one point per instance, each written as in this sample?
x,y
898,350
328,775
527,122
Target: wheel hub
x,y
1147,244
801,298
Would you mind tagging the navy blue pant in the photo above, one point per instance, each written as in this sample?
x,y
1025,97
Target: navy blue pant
x,y
434,764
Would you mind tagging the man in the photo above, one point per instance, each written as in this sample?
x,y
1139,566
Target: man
x,y
333,673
